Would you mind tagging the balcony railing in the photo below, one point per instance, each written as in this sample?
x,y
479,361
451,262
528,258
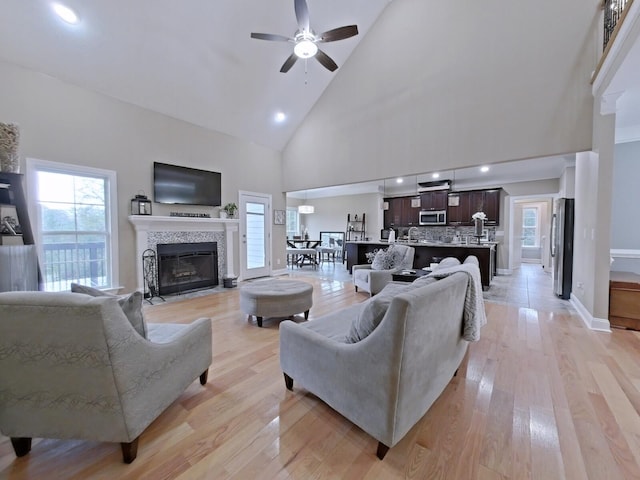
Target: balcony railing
x,y
83,263
613,10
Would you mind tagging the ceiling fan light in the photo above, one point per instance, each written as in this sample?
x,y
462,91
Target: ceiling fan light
x,y
305,49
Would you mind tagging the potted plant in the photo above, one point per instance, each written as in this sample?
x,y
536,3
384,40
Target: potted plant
x,y
230,209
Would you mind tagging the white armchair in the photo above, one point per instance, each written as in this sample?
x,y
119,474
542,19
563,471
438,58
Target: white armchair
x,y
373,277
74,367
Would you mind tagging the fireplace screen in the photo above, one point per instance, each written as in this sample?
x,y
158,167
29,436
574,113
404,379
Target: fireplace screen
x,y
187,266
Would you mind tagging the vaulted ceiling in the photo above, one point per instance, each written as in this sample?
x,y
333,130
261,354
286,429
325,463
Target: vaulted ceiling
x,y
195,61
191,60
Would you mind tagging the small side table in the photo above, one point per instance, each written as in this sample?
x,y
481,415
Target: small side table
x,y
404,276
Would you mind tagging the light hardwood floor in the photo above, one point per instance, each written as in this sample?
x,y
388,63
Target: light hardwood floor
x,y
539,396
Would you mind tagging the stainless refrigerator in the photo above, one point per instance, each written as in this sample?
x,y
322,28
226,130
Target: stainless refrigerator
x,y
562,246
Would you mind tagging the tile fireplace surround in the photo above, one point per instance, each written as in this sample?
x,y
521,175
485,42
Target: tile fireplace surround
x,y
151,230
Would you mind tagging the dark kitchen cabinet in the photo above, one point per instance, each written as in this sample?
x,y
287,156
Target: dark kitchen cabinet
x,y
487,201
470,202
401,212
492,206
393,214
410,211
459,209
436,200
476,200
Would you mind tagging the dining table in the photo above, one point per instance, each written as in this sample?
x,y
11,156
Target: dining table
x,y
307,250
293,243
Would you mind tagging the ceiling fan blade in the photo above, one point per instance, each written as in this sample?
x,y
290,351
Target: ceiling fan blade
x,y
286,66
272,37
339,33
326,61
302,14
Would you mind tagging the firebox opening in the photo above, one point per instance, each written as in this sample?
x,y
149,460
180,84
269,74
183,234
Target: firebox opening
x,y
184,267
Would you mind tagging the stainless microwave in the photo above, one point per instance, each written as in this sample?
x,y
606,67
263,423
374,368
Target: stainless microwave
x,y
433,217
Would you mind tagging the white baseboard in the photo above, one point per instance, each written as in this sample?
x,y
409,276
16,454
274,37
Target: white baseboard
x,y
504,271
281,271
625,253
593,323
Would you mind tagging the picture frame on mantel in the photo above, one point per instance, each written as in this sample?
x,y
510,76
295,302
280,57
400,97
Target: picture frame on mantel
x,y
279,217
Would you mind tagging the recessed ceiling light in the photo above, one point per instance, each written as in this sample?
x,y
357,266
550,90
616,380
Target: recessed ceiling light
x,y
280,117
65,13
484,169
435,175
399,180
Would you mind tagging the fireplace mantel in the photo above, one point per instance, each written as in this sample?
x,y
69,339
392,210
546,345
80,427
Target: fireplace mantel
x,y
144,224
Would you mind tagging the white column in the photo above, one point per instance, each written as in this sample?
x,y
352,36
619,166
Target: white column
x,y
229,230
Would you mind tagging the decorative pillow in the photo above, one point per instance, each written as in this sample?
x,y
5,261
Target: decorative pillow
x,y
382,260
397,255
131,305
373,310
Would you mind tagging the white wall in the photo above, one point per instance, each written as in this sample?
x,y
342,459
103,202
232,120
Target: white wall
x,y
64,123
625,217
331,213
441,85
625,203
568,183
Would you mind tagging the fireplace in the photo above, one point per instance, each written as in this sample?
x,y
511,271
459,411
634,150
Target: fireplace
x,y
186,266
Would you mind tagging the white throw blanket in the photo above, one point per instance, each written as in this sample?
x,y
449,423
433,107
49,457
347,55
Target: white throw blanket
x,y
474,316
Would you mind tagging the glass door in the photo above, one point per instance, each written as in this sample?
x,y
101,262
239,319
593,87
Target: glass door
x,y
255,235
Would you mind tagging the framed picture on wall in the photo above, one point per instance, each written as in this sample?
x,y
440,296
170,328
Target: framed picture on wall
x,y
279,217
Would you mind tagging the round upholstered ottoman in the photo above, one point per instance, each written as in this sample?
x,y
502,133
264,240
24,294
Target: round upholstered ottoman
x,y
276,298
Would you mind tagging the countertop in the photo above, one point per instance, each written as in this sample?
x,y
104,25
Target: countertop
x,y
430,244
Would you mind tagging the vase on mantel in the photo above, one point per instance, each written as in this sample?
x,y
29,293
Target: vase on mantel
x,y
223,214
9,141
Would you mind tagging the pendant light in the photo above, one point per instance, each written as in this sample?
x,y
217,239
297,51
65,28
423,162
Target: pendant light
x,y
305,209
385,204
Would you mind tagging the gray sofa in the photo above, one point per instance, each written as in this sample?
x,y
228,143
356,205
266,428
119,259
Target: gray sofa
x,y
387,381
73,367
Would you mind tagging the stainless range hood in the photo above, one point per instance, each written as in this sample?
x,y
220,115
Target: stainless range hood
x,y
432,186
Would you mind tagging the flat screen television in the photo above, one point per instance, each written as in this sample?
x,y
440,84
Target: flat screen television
x,y
187,186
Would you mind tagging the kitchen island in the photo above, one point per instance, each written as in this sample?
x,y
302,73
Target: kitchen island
x,y
431,252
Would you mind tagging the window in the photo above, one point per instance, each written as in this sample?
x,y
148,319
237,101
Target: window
x,y
73,210
255,218
530,237
293,222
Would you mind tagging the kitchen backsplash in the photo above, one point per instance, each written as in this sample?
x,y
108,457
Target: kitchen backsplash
x,y
435,234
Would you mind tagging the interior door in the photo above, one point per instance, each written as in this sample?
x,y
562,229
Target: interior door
x,y
255,235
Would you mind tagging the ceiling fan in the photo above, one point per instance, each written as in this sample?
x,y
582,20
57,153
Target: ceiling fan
x,y
305,40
